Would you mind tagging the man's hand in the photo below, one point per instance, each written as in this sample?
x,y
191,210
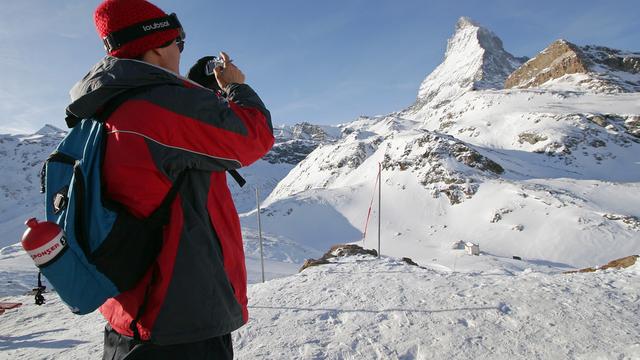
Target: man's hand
x,y
229,73
197,74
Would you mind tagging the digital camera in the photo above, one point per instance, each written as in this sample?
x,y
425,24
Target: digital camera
x,y
212,64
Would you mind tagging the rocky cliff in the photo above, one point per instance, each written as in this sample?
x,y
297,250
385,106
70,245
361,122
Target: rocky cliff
x,y
600,68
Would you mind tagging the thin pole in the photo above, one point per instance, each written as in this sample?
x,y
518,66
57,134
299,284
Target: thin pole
x,y
260,233
379,204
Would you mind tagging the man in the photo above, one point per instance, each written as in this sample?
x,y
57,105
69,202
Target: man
x,y
194,295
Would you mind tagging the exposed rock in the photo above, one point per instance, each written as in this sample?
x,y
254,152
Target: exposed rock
x,y
605,69
497,216
311,132
313,262
351,155
349,250
557,60
615,59
632,124
473,159
409,261
290,152
630,221
431,157
596,143
338,251
518,227
621,263
598,119
531,138
294,143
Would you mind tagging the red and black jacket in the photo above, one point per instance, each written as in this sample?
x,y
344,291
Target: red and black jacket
x,y
197,287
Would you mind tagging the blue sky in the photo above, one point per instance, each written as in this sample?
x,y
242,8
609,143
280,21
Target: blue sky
x,y
324,62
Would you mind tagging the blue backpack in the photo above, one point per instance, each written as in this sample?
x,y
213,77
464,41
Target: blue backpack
x,y
108,250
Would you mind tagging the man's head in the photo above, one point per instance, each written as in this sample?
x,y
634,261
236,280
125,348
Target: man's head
x,y
137,29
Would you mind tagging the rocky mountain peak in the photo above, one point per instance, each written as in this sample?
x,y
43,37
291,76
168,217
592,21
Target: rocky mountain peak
x,y
558,59
295,142
465,22
49,129
601,68
475,59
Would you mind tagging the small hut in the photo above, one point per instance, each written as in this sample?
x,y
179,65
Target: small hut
x,y
471,248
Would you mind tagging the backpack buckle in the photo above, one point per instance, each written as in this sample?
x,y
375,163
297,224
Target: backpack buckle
x,y
60,200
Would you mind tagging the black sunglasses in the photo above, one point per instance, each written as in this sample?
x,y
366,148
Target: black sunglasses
x,y
179,41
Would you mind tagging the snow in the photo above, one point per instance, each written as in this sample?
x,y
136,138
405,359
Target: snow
x,y
367,308
262,175
556,190
549,175
475,59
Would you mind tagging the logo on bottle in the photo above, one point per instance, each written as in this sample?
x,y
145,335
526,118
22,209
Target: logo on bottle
x,y
47,252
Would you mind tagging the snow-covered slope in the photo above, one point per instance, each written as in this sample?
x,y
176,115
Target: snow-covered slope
x,y
549,175
365,308
21,158
293,144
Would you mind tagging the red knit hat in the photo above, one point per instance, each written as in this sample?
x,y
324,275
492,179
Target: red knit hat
x,y
113,15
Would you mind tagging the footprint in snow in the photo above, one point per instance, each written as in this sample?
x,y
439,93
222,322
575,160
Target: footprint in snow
x,y
504,308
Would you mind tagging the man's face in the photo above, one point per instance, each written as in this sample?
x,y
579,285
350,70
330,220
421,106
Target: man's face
x,y
171,57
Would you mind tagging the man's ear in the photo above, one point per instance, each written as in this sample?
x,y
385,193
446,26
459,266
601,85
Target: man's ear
x,y
151,56
157,52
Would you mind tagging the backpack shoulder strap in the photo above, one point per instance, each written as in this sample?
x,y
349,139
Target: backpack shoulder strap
x,y
115,102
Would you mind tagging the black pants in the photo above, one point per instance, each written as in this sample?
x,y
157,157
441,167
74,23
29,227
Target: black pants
x,y
120,347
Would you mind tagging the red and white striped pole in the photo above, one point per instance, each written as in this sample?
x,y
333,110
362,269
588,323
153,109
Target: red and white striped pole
x,y
379,204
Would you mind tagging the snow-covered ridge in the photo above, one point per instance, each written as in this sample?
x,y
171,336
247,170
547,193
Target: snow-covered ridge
x,y
538,172
49,129
591,68
21,158
475,59
292,144
295,142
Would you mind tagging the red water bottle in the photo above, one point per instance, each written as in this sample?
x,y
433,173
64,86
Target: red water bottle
x,y
43,241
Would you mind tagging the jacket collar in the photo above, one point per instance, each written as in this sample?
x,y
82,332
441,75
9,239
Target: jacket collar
x,y
111,77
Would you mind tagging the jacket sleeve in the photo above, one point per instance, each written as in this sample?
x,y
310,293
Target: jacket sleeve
x,y
193,127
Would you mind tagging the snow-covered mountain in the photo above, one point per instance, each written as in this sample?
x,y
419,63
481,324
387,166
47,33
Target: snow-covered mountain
x,y
564,65
22,156
475,59
469,160
545,174
293,143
